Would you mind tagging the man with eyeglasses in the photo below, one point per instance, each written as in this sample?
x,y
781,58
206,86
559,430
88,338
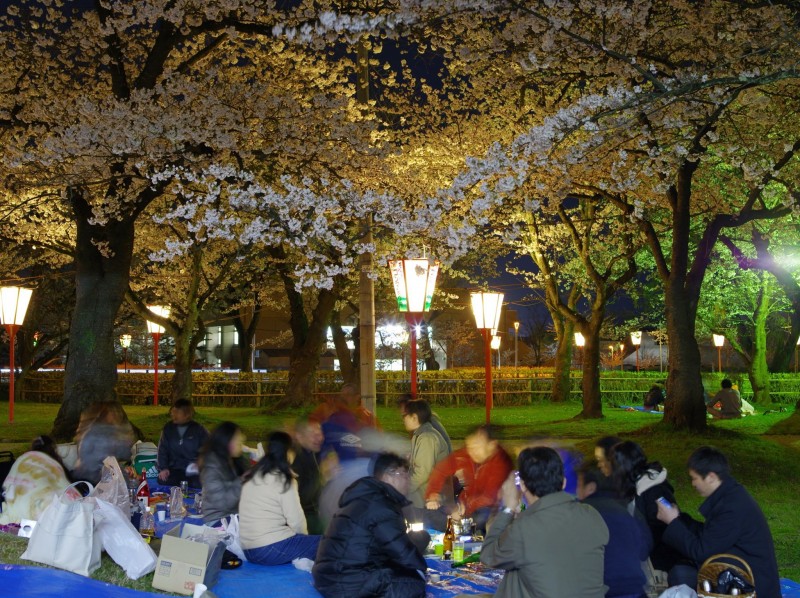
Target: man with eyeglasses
x,y
367,550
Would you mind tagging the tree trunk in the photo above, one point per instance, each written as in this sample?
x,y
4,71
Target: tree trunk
x,y
309,339
347,366
425,348
759,371
562,382
590,364
101,280
685,407
247,335
182,384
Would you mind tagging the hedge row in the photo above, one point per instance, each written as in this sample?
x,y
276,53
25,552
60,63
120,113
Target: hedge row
x,y
445,387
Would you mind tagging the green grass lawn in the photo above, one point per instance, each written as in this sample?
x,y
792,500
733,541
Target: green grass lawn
x,y
764,451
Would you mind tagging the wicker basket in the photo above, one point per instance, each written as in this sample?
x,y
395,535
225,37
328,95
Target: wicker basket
x,y
715,565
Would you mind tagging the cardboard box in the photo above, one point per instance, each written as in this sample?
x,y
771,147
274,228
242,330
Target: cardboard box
x,y
183,563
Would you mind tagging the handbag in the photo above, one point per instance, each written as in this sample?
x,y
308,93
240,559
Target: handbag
x,y
65,536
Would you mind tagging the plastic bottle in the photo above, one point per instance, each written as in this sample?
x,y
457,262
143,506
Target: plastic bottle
x,y
449,537
143,491
147,524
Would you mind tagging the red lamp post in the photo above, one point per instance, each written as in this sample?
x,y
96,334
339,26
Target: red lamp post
x,y
414,282
486,307
13,303
156,330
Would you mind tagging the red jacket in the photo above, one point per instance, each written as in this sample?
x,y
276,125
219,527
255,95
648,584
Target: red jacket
x,y
481,482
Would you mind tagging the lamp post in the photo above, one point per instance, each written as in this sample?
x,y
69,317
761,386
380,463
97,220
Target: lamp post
x,y
719,340
496,347
13,305
486,308
516,347
636,339
580,342
621,356
125,343
156,330
414,282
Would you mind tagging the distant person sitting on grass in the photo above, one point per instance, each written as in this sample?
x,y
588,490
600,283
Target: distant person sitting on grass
x,y
654,397
727,403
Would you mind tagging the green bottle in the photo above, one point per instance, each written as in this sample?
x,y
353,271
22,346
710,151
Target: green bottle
x,y
475,557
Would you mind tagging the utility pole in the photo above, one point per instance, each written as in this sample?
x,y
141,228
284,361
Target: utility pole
x,y
366,286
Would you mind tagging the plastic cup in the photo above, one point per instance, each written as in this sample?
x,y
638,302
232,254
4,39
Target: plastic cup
x,y
438,549
458,550
161,514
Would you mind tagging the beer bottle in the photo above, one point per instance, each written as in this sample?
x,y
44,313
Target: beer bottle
x,y
449,537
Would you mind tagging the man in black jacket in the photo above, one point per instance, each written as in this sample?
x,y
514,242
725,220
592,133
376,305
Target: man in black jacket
x,y
366,550
179,446
734,524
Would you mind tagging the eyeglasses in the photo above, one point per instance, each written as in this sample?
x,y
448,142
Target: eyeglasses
x,y
400,472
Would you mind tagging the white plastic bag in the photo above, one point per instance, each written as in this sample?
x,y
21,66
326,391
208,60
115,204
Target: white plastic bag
x,y
122,542
65,535
112,487
681,591
231,525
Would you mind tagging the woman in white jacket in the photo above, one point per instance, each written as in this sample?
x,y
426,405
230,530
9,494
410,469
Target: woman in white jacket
x,y
273,527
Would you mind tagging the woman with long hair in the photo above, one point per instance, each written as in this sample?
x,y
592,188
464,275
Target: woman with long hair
x,y
221,468
273,526
642,483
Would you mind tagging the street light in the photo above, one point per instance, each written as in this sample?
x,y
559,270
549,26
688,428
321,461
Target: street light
x,y
156,330
496,347
621,356
13,305
636,339
580,342
125,343
719,340
486,308
414,282
516,346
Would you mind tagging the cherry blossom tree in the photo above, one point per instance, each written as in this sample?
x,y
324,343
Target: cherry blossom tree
x,y
656,107
96,99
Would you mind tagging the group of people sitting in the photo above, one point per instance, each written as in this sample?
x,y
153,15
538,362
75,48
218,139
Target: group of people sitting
x,y
335,490
727,403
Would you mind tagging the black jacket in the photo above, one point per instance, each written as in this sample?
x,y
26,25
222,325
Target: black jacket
x,y
176,452
733,524
366,544
663,556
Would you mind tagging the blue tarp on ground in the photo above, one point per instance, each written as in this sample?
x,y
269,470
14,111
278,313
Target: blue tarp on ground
x,y
248,581
640,408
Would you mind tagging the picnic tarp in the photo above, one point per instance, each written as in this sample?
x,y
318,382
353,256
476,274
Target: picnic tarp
x,y
23,581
